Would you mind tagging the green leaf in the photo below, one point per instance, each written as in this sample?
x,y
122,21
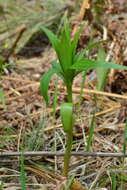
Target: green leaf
x,y
1,64
81,54
52,37
125,138
65,52
22,173
56,66
65,56
1,95
44,83
67,30
66,112
86,64
94,44
58,69
74,42
101,72
2,98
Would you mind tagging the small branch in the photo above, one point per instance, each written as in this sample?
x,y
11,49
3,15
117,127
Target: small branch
x,y
20,33
44,153
85,5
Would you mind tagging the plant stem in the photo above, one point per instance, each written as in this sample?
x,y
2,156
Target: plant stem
x,y
69,136
67,155
69,92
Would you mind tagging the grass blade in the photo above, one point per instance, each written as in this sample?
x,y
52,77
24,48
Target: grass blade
x,y
94,44
114,181
2,99
22,173
101,72
52,37
125,138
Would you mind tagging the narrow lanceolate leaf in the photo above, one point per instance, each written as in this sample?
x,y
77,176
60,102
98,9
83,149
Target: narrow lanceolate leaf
x,y
56,66
66,112
95,44
125,138
86,64
67,30
65,51
74,42
44,83
52,37
65,55
2,98
82,53
101,72
1,95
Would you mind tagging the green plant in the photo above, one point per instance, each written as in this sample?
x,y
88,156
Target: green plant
x,y
22,173
4,65
33,142
2,99
101,72
114,181
125,138
1,65
1,185
67,67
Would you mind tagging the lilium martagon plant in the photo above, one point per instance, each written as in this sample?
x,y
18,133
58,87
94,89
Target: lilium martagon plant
x,y
68,65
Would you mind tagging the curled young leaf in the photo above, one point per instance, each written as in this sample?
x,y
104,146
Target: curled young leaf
x,y
66,112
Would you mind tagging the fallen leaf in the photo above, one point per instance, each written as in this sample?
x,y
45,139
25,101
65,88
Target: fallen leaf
x,y
77,186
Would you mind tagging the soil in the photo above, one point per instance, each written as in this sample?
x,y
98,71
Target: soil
x,y
27,124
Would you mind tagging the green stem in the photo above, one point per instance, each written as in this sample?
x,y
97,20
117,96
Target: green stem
x,y
67,155
69,136
69,92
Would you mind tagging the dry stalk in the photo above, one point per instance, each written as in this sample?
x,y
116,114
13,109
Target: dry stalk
x,y
44,153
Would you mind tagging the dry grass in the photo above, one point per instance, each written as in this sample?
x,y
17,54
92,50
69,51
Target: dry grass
x,y
26,124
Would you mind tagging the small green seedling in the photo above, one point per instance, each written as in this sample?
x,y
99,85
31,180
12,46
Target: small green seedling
x,y
68,65
4,65
2,98
1,65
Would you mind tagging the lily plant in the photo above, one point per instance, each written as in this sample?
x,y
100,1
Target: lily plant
x,y
67,66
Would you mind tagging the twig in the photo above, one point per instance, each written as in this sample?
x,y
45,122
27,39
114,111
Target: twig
x,y
85,5
89,91
20,33
44,153
75,90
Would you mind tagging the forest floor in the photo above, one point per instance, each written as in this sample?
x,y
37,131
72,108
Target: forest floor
x,y
26,124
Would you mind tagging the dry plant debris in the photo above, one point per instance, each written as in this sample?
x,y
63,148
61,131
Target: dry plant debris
x,y
25,122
